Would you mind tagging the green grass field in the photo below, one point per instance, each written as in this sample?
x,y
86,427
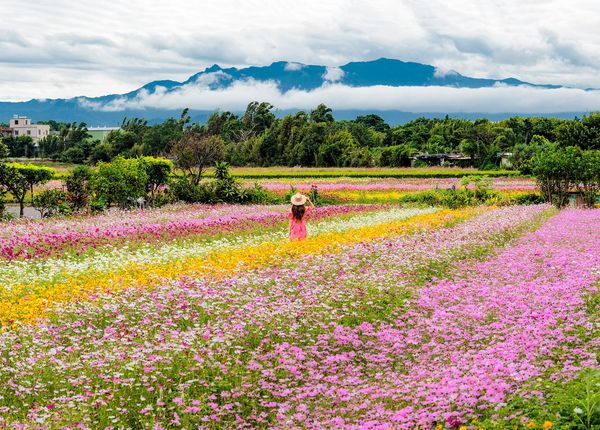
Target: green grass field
x,y
318,172
363,172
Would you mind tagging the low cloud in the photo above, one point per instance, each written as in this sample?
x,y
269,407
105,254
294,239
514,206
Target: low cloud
x,y
333,74
411,99
441,72
293,67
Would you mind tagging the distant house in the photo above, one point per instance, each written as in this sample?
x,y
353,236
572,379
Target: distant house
x,y
22,126
505,159
443,159
100,133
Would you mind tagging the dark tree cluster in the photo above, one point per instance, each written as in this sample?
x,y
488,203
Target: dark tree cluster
x,y
259,138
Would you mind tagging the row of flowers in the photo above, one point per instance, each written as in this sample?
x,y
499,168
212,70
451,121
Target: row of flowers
x,y
404,185
343,330
58,280
38,239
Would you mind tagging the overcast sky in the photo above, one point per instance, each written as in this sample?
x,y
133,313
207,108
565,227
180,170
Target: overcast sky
x,y
64,48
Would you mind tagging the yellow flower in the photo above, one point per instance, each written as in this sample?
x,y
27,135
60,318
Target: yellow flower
x,y
547,425
531,424
29,302
463,428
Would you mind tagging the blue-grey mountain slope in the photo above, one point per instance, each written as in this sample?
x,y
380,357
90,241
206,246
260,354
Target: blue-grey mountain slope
x,y
286,76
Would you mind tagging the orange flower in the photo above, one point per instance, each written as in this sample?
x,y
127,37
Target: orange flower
x,y
547,425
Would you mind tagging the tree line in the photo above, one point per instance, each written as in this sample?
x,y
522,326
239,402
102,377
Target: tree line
x,y
258,138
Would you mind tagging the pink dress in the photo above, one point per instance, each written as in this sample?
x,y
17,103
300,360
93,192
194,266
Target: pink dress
x,y
298,228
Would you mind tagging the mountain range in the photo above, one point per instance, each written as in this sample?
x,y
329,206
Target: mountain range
x,y
111,109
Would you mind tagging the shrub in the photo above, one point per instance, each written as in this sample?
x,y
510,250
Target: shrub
x,y
78,187
121,181
51,203
98,205
528,199
186,191
224,189
560,171
158,171
20,178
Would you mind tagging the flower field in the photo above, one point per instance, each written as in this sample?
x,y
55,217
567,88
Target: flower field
x,y
382,190
386,317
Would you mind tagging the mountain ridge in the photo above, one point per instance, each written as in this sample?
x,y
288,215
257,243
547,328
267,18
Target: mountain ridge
x,y
287,76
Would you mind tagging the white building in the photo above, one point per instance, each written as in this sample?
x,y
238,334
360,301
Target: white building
x,y
22,126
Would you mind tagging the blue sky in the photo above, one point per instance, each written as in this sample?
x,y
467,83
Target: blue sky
x,y
64,48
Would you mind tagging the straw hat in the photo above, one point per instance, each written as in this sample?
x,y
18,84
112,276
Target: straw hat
x,y
299,199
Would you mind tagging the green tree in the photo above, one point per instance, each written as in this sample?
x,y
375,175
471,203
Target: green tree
x,y
321,113
158,171
589,176
3,150
570,133
101,152
195,152
18,179
257,118
158,140
337,149
79,187
51,203
557,173
120,182
523,154
137,126
224,124
20,146
591,136
436,145
122,141
397,155
375,122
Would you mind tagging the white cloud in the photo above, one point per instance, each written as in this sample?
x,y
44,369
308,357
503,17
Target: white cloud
x,y
440,72
293,67
333,74
207,79
82,47
411,99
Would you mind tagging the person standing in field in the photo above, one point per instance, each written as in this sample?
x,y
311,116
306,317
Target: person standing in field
x,y
297,216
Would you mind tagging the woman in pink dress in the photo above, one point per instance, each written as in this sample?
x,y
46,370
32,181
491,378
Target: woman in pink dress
x,y
297,216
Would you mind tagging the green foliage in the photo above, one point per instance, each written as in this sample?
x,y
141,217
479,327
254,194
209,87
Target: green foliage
x,y
20,178
321,113
79,187
257,118
101,152
569,405
98,205
3,150
71,137
195,152
315,138
588,175
51,203
559,171
524,154
158,172
397,156
337,150
20,146
474,191
224,189
121,181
